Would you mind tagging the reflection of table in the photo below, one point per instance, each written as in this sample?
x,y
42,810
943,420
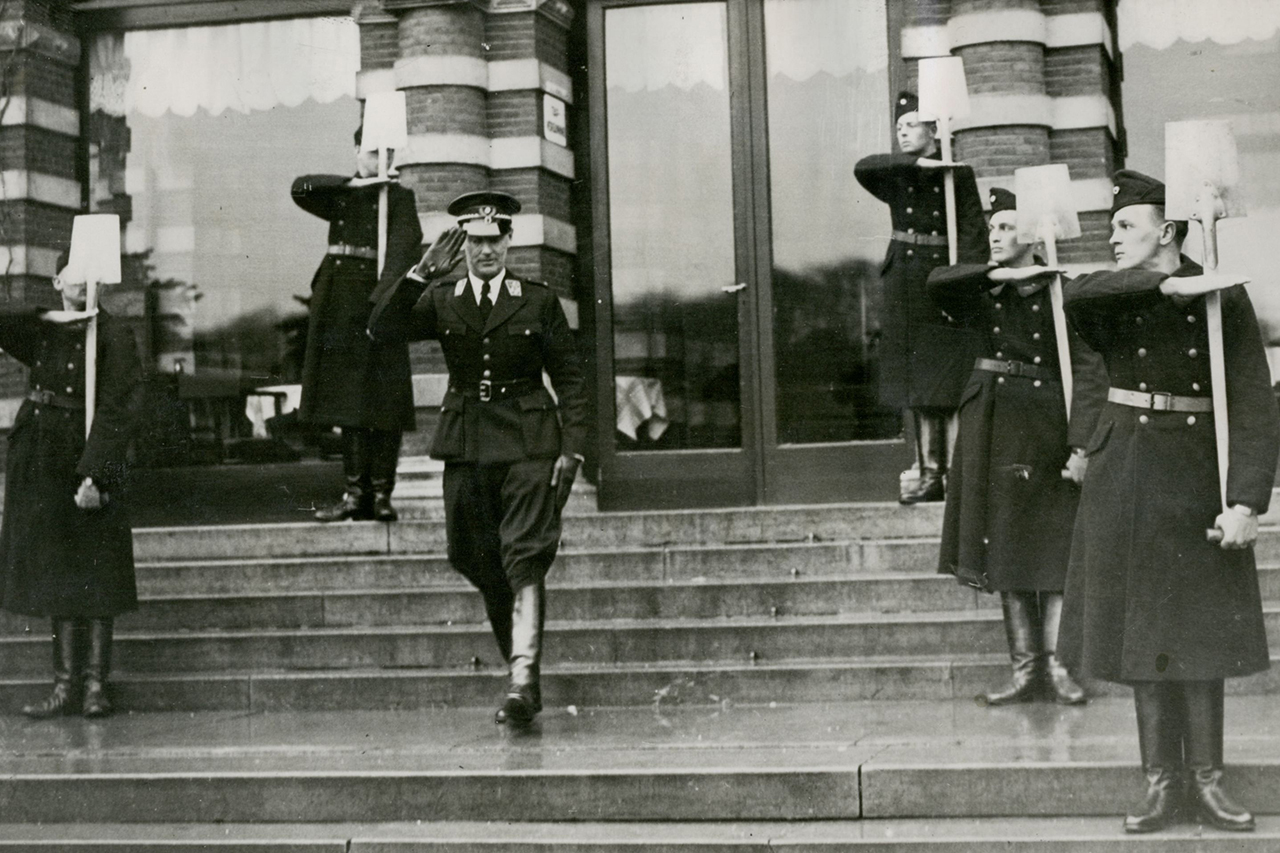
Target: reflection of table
x,y
639,401
265,403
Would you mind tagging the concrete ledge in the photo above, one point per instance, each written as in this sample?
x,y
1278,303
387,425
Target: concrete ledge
x,y
1071,30
43,114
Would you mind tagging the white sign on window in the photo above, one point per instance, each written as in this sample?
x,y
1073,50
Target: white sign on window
x,y
554,125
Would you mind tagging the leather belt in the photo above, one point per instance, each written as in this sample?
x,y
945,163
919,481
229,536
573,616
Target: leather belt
x,y
1159,402
920,239
354,251
48,398
1015,368
489,390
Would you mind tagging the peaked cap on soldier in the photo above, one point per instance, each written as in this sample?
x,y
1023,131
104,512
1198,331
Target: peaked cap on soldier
x,y
486,213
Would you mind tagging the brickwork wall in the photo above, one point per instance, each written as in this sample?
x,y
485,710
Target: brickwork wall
x,y
32,223
540,263
966,7
39,76
436,185
37,149
1004,67
926,13
445,109
997,151
452,30
514,113
540,191
1083,70
379,45
1089,152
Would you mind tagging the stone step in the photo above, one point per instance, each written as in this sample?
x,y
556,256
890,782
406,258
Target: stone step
x,y
457,602
937,835
881,760
600,531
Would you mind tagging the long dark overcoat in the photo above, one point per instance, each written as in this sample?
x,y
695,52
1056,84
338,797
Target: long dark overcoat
x,y
925,354
56,559
1147,597
1009,514
347,379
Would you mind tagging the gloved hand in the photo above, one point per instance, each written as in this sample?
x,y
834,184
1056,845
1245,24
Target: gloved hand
x,y
1234,529
89,497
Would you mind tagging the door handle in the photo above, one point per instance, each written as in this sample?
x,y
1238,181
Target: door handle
x,y
733,288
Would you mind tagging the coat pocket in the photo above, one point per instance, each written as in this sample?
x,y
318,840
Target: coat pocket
x,y
450,440
540,424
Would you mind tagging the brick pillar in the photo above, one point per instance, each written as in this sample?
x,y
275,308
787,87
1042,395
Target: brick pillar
x,y
39,132
1041,89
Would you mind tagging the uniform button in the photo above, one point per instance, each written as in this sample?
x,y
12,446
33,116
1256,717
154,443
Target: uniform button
x,y
911,230
341,222
910,210
1035,307
911,189
937,189
937,213
1036,383
1036,360
910,252
999,305
38,362
999,355
338,262
488,373
486,341
1192,352
1142,352
528,331
71,365
1142,419
996,330
79,346
999,380
487,357
70,390
1138,320
1191,420
1142,386
1195,386
1191,318
1035,336
935,233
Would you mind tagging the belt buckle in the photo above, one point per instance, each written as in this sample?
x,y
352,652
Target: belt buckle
x,y
1013,368
1161,401
486,390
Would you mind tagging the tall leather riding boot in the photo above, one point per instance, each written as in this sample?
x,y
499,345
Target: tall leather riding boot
x,y
498,603
931,450
524,694
1202,740
357,501
1065,689
1022,629
1159,712
97,668
383,458
66,666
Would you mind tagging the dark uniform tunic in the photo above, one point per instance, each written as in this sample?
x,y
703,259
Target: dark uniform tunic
x,y
55,559
925,355
1148,597
502,358
1009,515
347,380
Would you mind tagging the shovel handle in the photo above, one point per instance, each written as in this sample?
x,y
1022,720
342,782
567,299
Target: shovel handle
x,y
383,194
949,192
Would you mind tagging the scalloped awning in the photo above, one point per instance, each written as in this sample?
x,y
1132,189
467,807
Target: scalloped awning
x,y
1159,23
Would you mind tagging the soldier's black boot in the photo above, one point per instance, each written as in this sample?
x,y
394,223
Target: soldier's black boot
x,y
1160,742
1202,739
524,693
383,458
1065,689
931,450
1022,629
357,500
97,669
66,651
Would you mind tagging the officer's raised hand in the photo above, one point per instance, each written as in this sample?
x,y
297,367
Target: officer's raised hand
x,y
1235,529
562,477
442,255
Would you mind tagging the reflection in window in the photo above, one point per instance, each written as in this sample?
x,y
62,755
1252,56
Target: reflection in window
x,y
198,165
827,63
671,227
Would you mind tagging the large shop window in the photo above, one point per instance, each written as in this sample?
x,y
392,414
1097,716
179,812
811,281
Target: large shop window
x,y
195,136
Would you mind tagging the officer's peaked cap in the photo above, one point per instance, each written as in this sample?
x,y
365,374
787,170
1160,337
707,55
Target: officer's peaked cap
x,y
1130,187
485,213
1002,199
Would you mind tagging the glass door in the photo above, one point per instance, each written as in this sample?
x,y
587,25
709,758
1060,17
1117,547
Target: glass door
x,y
672,207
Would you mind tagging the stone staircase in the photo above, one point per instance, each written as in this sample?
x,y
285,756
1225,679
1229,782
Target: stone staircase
x,y
712,677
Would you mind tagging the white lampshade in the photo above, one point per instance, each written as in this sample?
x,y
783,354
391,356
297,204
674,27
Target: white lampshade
x,y
1196,154
1045,192
943,91
385,124
95,249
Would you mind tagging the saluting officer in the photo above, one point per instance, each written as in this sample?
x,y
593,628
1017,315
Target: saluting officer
x,y
349,381
510,451
925,354
1150,601
66,548
1013,489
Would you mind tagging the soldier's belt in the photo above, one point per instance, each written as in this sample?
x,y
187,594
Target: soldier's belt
x,y
920,239
354,251
1158,402
1015,368
487,390
48,398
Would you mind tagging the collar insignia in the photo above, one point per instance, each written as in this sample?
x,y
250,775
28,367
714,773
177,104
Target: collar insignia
x,y
513,287
460,288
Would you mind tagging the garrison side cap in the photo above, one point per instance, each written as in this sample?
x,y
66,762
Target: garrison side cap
x,y
1130,187
486,213
1001,199
905,103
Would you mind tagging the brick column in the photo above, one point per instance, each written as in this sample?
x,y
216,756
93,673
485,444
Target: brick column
x,y
1041,91
39,132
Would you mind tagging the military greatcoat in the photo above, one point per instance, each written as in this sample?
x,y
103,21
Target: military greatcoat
x,y
55,559
1147,597
1009,514
347,379
925,354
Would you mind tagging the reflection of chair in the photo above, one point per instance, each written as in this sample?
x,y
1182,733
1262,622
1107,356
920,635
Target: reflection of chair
x,y
263,404
640,401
